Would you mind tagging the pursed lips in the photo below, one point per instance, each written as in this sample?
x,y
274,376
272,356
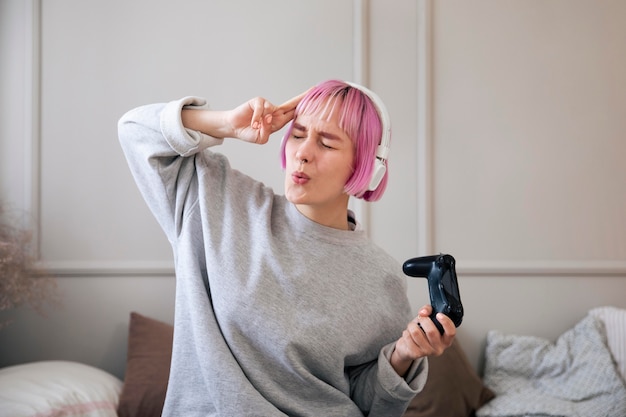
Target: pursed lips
x,y
299,177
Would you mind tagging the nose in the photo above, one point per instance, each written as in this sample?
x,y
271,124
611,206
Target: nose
x,y
305,151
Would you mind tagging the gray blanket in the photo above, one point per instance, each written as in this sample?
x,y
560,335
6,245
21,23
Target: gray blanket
x,y
575,376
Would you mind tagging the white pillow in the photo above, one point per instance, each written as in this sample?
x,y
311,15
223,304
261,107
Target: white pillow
x,y
58,389
615,324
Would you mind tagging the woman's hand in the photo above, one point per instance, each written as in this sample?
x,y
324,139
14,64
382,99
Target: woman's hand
x,y
252,121
255,120
422,338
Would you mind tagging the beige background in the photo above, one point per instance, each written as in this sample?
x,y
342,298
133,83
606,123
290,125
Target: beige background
x,y
508,140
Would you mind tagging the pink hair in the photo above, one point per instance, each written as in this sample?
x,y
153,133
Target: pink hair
x,y
359,119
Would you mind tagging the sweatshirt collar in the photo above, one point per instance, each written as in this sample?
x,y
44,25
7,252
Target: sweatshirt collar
x,y
305,226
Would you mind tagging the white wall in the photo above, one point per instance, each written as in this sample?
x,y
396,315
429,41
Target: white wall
x,y
529,106
520,108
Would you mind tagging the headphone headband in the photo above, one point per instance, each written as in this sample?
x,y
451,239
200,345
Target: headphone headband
x,y
382,151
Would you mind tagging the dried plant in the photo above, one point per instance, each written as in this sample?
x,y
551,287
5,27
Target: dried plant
x,y
22,282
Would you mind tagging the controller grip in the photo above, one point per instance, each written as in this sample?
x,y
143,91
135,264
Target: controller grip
x,y
442,285
420,267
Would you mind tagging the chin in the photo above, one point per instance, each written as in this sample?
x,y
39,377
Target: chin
x,y
295,199
295,195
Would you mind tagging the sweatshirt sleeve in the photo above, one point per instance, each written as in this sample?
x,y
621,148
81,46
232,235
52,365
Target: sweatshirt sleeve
x,y
381,392
161,154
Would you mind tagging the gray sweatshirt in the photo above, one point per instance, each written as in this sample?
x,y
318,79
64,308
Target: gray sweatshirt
x,y
275,314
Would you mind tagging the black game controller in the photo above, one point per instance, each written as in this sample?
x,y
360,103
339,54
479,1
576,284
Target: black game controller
x,y
442,285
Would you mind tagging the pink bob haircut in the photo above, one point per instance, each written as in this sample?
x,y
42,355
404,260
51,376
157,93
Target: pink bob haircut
x,y
359,119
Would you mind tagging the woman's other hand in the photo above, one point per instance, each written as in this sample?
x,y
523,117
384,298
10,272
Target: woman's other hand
x,y
422,338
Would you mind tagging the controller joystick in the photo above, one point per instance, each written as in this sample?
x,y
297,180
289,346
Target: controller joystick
x,y
443,287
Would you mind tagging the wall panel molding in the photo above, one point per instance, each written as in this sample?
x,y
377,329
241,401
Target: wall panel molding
x,y
539,268
426,232
360,75
424,157
469,268
33,164
32,169
32,120
65,269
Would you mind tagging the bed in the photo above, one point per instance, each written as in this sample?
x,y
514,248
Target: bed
x,y
582,373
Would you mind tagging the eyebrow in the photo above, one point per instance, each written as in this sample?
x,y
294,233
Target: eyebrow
x,y
323,133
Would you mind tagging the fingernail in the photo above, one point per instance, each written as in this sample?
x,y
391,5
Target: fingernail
x,y
255,125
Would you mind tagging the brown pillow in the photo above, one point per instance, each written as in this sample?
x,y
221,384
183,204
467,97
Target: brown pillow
x,y
147,367
453,388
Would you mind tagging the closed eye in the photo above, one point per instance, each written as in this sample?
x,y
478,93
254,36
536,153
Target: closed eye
x,y
298,132
326,139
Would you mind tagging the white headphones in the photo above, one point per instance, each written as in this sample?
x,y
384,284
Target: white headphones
x,y
382,152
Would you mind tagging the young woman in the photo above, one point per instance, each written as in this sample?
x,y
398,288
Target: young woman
x,y
283,305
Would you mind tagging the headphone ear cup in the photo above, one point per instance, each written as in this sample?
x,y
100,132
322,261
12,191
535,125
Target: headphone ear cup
x,y
378,174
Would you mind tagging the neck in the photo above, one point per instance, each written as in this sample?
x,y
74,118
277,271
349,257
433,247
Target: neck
x,y
337,217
